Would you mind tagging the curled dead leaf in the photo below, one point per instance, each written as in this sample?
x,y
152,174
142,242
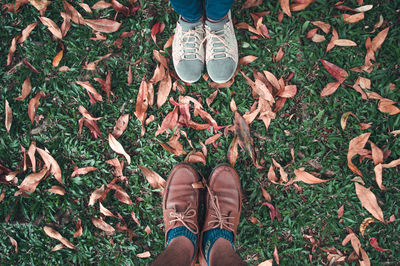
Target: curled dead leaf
x,y
365,224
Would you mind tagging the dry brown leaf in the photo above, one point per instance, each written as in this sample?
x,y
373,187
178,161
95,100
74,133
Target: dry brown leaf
x,y
387,106
57,58
344,118
121,125
331,44
344,42
279,55
378,40
56,235
318,38
247,60
378,176
284,175
289,91
261,89
365,224
363,8
276,255
40,4
369,202
286,9
85,84
353,18
31,154
305,177
233,151
52,26
154,179
33,105
330,88
196,157
134,218
14,244
102,225
26,89
103,25
272,79
85,7
121,194
355,242
242,131
355,147
9,116
51,164
266,195
142,104
96,195
393,163
57,190
101,5
13,47
377,153
143,255
117,147
30,182
164,88
212,139
57,247
105,211
340,211
147,229
325,27
78,227
169,42
83,171
27,31
169,123
266,263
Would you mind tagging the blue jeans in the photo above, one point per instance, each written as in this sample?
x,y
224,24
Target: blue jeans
x,y
193,10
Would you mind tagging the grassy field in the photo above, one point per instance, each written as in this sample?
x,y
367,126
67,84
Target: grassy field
x,y
308,124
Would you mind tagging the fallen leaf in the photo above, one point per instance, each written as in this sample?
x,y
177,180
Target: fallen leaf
x,y
102,225
353,18
212,139
266,195
164,88
338,73
120,7
343,119
85,84
147,230
57,247
325,27
196,157
331,44
363,8
374,243
377,154
355,147
27,31
154,179
245,141
154,30
355,242
247,60
279,55
272,211
340,211
143,255
284,176
378,40
52,26
318,38
130,77
12,49
105,211
40,4
233,151
266,263
26,89
103,25
78,227
378,176
276,255
305,177
51,164
56,235
96,195
117,147
169,42
289,91
9,116
369,202
392,164
101,5
121,125
387,106
134,218
14,244
33,105
169,123
365,224
142,104
344,42
121,194
251,3
272,79
286,9
30,182
57,58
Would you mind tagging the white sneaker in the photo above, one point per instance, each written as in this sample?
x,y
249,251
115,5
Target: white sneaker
x,y
221,49
188,50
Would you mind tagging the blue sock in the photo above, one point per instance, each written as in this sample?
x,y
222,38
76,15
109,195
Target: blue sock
x,y
211,236
182,231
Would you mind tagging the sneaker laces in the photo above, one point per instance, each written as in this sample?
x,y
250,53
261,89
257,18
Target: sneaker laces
x,y
218,44
189,41
186,218
220,220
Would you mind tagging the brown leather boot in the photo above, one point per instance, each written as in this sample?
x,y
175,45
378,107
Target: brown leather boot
x,y
223,203
181,201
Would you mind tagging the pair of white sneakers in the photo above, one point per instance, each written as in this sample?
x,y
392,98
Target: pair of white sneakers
x,y
213,43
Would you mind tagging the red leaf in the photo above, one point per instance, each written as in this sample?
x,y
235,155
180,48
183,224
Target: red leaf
x,y
339,74
33,105
169,122
78,227
285,9
51,164
272,211
374,243
154,30
103,25
120,7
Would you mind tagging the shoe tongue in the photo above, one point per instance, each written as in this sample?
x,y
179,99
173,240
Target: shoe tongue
x,y
215,26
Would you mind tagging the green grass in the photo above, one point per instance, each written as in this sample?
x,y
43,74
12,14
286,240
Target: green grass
x,y
314,133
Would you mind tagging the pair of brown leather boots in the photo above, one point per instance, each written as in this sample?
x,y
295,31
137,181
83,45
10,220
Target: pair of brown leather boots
x,y
222,207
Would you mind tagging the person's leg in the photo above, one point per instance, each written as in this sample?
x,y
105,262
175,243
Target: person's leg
x,y
178,252
187,46
180,207
217,10
223,207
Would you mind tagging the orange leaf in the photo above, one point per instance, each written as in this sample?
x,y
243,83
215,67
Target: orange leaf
x,y
379,39
143,255
57,190
51,164
117,147
369,202
279,55
365,224
33,105
377,154
121,125
56,235
330,88
26,89
13,47
147,230
233,151
102,225
391,164
170,122
154,179
247,60
340,211
288,92
169,42
9,116
14,243
266,263
276,255
266,195
286,9
142,104
302,175
57,58
103,25
344,42
353,18
387,106
52,26
96,195
355,147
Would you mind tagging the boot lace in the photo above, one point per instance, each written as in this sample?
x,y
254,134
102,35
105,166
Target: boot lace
x,y
186,218
220,220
